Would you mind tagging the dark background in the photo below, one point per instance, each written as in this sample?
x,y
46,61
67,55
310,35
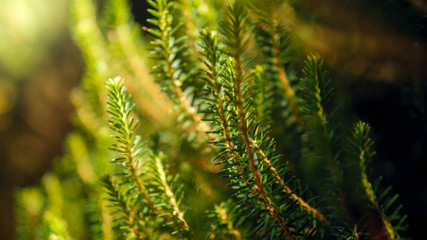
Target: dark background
x,y
375,53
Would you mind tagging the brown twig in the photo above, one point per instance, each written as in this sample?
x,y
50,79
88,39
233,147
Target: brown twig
x,y
220,112
170,194
289,92
244,133
372,199
202,126
286,189
133,170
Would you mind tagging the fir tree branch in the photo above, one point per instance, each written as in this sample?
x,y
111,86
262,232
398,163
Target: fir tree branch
x,y
169,48
289,92
363,144
157,192
252,164
123,25
320,129
118,201
235,16
225,126
214,79
286,189
172,199
213,68
273,42
128,143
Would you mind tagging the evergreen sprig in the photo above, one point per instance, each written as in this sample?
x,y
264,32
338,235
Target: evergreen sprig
x,y
173,68
127,224
146,186
168,194
320,133
274,45
244,144
128,144
380,201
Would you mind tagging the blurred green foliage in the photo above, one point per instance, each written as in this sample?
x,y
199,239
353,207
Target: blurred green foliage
x,y
29,31
142,199
112,45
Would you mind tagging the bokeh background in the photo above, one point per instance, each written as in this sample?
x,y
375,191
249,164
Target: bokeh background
x,y
375,51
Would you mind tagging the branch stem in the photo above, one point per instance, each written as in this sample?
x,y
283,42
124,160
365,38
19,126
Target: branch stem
x,y
170,70
286,189
289,92
177,212
244,131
